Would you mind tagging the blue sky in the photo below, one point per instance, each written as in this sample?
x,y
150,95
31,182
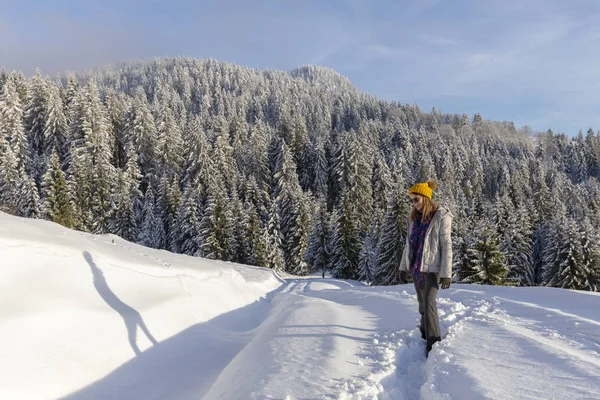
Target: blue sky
x,y
533,62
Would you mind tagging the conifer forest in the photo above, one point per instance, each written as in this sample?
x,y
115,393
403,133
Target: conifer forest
x,y
296,171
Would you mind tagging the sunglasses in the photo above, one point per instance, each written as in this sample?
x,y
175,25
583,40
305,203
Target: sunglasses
x,y
414,200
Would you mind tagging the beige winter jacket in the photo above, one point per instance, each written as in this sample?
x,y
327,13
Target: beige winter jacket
x,y
437,248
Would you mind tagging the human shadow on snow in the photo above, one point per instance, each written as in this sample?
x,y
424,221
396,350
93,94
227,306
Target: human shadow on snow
x,y
130,316
183,366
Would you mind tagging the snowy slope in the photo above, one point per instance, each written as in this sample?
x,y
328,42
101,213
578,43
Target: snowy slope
x,y
82,317
76,307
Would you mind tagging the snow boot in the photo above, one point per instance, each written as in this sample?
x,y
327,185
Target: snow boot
x,y
430,342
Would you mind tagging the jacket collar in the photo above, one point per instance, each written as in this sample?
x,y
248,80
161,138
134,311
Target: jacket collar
x,y
440,213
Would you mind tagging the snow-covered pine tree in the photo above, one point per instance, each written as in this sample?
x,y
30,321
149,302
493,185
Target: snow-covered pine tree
x,y
169,199
485,263
425,169
217,225
302,152
257,157
272,238
9,178
259,198
345,245
592,153
392,239
56,196
306,170
317,255
75,117
127,214
382,186
187,233
199,166
241,245
3,77
571,256
287,193
117,105
367,264
21,85
238,134
35,118
56,125
152,233
353,170
338,166
70,93
462,234
503,212
91,173
593,200
502,209
304,222
516,246
141,132
134,178
590,243
520,189
257,253
123,222
563,257
540,237
170,140
401,173
559,183
321,168
577,167
576,204
11,124
446,171
28,197
474,178
222,155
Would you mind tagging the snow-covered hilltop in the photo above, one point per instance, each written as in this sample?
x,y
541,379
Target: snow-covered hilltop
x,y
85,316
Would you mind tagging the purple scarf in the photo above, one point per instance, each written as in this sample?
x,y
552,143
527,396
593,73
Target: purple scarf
x,y
417,240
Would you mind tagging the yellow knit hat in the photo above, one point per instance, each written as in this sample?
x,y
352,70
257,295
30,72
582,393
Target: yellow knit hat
x,y
424,189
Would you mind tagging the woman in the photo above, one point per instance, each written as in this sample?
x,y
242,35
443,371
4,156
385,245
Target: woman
x,y
428,255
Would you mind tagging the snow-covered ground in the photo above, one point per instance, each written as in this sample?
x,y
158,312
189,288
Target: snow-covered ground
x,y
83,317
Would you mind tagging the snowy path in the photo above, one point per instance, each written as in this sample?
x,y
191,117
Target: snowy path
x,y
318,341
331,339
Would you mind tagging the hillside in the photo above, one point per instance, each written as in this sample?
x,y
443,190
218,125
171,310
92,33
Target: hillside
x,y
271,168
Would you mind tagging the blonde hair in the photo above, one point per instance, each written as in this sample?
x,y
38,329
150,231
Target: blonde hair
x,y
429,206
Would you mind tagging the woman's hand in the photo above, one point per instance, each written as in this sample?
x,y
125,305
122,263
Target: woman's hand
x,y
403,277
445,283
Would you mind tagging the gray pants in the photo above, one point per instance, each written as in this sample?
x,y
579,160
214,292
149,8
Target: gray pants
x,y
426,294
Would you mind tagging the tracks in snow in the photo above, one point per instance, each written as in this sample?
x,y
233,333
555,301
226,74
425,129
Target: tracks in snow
x,y
391,362
399,369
